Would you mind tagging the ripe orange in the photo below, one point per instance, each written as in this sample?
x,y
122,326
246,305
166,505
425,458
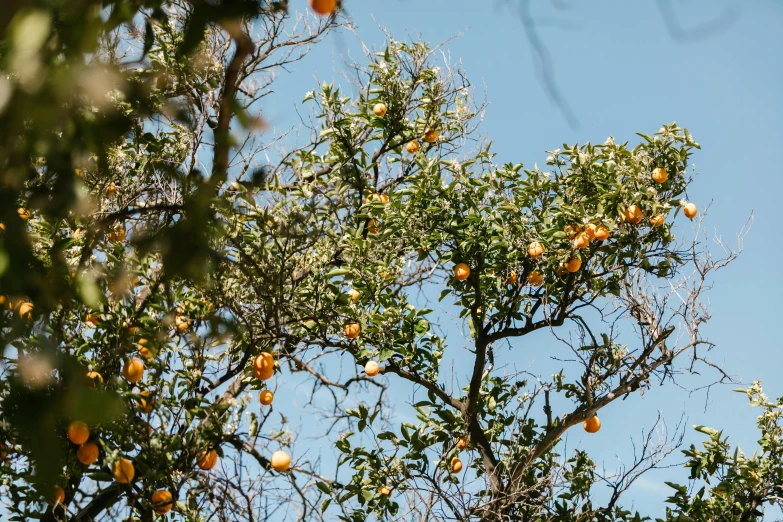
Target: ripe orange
x,y
689,210
456,465
93,319
582,240
58,496
2,227
372,368
78,432
659,175
573,264
133,370
535,249
412,147
207,460
144,349
561,270
633,214
590,230
118,236
182,324
323,7
146,403
280,461
601,233
431,136
512,279
26,311
266,397
592,425
123,471
572,231
354,294
87,453
373,227
379,109
161,502
384,490
23,213
111,189
79,173
462,442
92,377
461,271
535,278
264,366
657,220
352,330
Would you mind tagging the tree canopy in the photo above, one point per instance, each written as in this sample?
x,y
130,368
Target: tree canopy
x,y
164,262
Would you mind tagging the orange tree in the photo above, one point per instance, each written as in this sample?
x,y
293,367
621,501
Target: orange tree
x,y
160,261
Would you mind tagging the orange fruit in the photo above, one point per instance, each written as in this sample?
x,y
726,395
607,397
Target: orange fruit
x,y
79,172
2,227
573,264
264,366
601,233
78,432
572,231
87,453
111,189
58,496
462,442
582,240
535,249
144,349
133,370
561,270
372,368
384,490
461,271
657,220
123,470
379,109
535,278
456,465
323,7
23,213
659,175
26,311
146,403
373,227
633,214
133,330
160,497
266,397
431,136
412,147
118,236
689,210
182,324
512,279
354,294
280,461
352,330
92,377
590,230
592,425
93,319
207,460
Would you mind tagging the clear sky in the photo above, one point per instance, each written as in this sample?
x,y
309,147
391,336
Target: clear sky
x,y
712,66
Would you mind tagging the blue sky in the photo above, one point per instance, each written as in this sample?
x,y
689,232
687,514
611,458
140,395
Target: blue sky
x,y
623,71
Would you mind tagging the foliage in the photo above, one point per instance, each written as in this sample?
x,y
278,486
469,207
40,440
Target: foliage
x,y
164,226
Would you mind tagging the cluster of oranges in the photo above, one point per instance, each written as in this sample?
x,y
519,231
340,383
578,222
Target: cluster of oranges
x,y
263,370
20,306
